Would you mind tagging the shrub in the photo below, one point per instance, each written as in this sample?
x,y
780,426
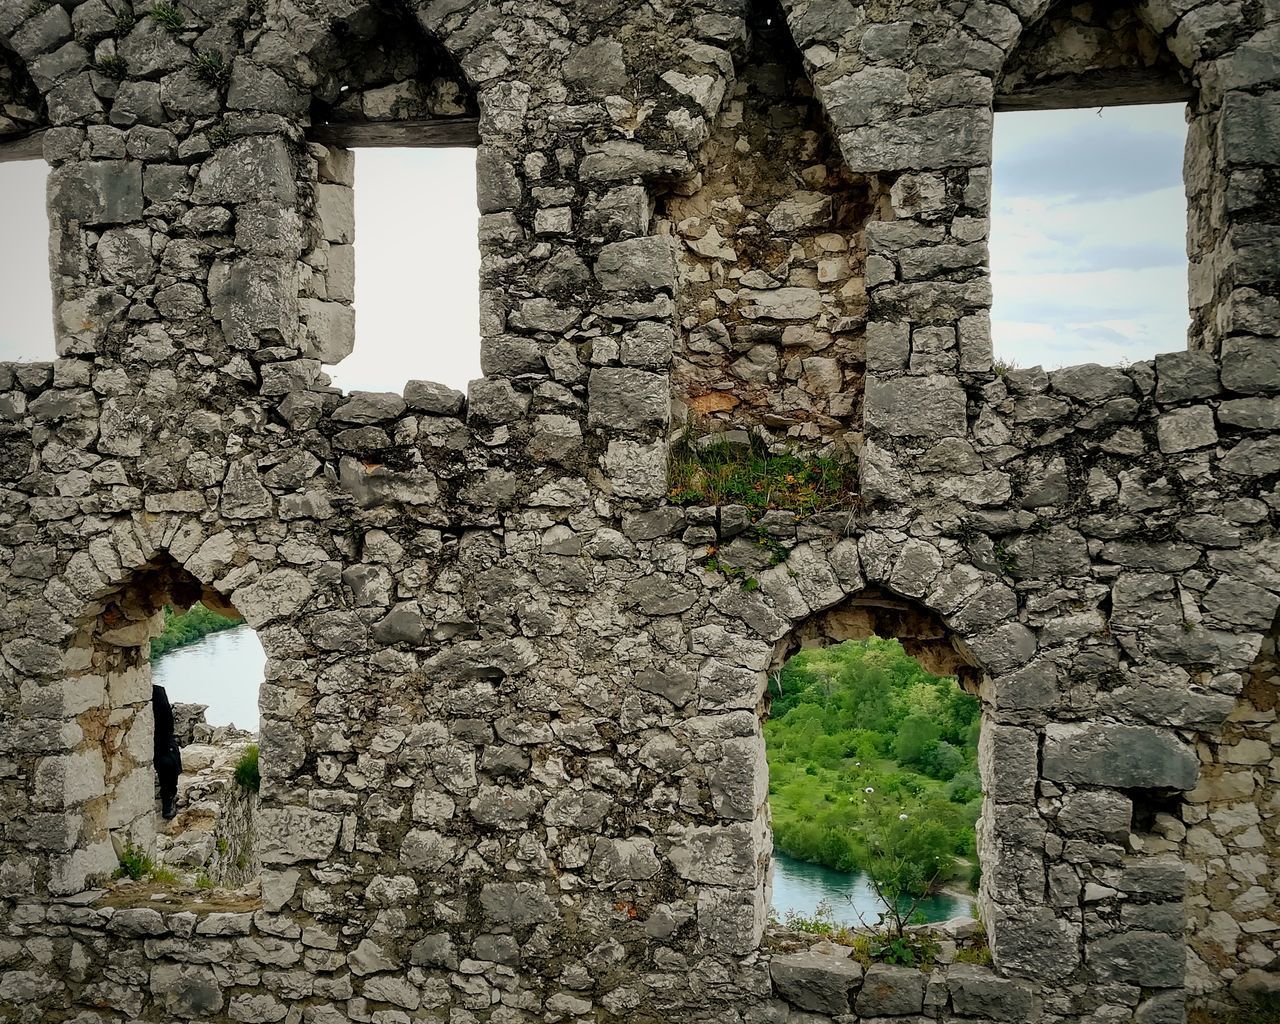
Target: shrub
x,y
134,863
246,773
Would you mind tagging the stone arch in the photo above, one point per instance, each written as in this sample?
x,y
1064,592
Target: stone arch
x,y
955,618
92,778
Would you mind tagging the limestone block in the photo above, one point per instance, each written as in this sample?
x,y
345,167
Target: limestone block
x,y
732,919
979,992
292,834
517,903
1119,756
97,192
1250,365
817,981
1181,376
623,860
928,407
258,168
186,990
627,399
637,264
1150,959
330,330
255,299
1186,429
889,991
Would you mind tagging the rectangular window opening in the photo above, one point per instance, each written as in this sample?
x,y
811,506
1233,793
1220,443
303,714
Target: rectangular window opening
x,y
417,270
26,292
1088,236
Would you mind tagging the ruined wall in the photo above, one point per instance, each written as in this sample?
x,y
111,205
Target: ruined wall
x,y
511,728
771,297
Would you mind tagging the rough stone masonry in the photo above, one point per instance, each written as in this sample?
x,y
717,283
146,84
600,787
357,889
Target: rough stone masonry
x,y
511,729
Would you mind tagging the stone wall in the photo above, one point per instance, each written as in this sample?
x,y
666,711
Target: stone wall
x,y
511,727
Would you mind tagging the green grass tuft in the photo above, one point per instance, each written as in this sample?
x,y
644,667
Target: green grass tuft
x,y
720,473
168,16
246,772
114,67
212,69
134,863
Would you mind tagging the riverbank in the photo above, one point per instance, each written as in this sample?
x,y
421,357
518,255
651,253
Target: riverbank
x,y
186,628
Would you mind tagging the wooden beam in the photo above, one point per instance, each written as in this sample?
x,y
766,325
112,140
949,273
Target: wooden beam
x,y
1115,87
22,147
453,131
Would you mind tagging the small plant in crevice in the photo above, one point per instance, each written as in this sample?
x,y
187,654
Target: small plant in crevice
x,y
980,955
168,16
246,772
203,881
1005,559
135,864
212,69
115,67
125,21
219,135
36,7
1261,1009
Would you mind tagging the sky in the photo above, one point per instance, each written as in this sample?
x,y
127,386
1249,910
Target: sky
x,y
1087,250
1088,235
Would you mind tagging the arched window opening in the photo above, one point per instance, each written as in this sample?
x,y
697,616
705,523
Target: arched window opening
x,y
395,231
874,785
1089,213
163,796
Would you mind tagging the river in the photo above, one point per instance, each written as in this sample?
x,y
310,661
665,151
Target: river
x,y
223,670
799,887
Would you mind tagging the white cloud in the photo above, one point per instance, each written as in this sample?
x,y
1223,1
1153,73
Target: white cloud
x,y
1095,278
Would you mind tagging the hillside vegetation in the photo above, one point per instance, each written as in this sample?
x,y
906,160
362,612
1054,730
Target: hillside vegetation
x,y
861,735
187,627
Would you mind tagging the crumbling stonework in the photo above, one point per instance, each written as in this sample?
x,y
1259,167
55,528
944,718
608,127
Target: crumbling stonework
x,y
512,763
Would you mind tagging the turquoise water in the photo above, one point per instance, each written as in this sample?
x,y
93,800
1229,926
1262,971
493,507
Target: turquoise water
x,y
799,887
223,670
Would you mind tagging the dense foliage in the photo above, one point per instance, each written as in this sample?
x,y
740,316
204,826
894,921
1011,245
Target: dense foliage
x,y
873,765
187,627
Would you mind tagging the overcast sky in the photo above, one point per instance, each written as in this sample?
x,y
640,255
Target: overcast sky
x,y
1087,250
1088,235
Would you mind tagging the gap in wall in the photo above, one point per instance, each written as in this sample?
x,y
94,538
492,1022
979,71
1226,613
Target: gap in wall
x,y
26,295
872,761
417,270
1088,235
211,668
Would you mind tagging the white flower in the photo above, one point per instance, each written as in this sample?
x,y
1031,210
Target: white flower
x,y
869,789
902,817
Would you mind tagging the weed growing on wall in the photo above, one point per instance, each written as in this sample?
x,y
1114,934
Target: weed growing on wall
x,y
720,472
246,772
